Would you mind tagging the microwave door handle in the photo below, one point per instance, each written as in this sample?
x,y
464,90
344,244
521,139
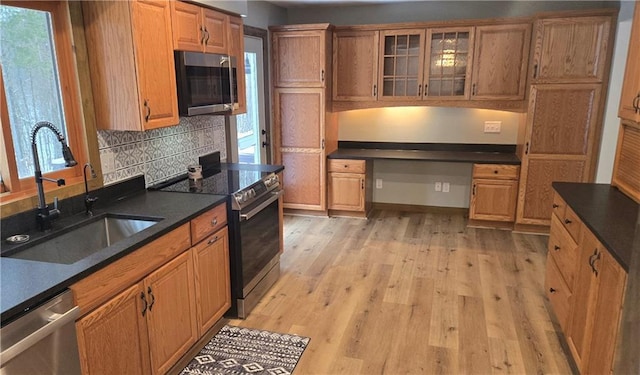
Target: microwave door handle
x,y
224,60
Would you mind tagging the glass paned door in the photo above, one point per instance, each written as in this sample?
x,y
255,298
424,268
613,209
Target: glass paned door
x,y
402,57
447,69
252,132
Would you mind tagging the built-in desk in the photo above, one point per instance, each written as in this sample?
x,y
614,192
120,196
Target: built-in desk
x,y
438,152
494,184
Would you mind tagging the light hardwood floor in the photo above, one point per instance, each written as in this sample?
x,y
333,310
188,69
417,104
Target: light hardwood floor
x,y
412,293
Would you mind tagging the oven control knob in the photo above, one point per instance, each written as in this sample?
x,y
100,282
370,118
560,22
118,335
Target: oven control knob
x,y
239,197
245,196
252,193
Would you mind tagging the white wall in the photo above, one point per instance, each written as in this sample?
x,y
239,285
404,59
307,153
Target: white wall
x,y
262,14
611,121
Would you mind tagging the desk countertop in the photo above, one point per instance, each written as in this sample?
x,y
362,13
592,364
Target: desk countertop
x,y
439,152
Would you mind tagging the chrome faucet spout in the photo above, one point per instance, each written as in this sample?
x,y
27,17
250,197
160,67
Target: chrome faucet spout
x,y
46,216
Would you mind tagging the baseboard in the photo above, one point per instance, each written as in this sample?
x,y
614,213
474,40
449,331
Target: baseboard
x,y
297,212
349,214
416,208
531,229
503,225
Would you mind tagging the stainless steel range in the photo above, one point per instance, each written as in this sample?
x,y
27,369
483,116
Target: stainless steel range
x,y
254,225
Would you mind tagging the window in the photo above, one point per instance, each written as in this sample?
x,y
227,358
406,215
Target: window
x,y
39,83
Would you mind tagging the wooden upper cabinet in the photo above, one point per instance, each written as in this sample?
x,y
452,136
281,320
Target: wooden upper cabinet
x,y
300,57
447,67
571,50
355,65
198,29
630,100
236,49
500,62
131,41
401,60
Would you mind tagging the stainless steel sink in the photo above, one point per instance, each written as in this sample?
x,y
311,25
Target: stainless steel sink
x,y
86,239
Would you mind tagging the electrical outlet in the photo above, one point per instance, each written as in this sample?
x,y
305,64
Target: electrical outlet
x,y
492,126
445,187
438,186
108,162
378,183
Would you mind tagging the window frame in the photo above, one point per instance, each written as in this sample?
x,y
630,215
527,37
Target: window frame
x,y
71,103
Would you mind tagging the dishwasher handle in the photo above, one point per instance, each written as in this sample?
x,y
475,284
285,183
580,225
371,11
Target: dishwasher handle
x,y
55,321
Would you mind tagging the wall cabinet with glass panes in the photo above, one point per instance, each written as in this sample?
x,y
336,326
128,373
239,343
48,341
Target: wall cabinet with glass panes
x,y
477,63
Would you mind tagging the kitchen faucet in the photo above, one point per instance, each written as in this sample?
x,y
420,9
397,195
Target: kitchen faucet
x,y
88,201
46,216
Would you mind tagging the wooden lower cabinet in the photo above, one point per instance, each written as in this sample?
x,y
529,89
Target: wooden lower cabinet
x,y
493,192
160,300
212,279
350,187
113,338
145,329
585,286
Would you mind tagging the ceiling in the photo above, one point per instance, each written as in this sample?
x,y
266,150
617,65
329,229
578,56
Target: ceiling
x,y
302,3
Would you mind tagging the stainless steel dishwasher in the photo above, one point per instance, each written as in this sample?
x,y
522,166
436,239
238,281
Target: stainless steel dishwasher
x,y
43,341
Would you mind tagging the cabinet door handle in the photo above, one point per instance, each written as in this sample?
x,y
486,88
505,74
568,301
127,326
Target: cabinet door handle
x,y
474,189
473,89
322,75
535,71
362,184
556,247
593,265
206,40
148,107
636,103
213,240
419,90
375,90
555,205
144,303
552,290
567,221
202,31
526,149
153,298
323,144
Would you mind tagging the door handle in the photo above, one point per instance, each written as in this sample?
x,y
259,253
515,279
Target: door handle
x,y
153,298
144,302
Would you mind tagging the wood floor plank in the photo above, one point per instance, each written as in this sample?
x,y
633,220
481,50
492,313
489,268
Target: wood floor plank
x,y
412,293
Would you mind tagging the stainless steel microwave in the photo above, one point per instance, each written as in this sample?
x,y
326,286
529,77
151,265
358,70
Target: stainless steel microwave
x,y
207,83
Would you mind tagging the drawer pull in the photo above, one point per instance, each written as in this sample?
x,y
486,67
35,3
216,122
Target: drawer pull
x,y
346,166
556,248
214,239
551,290
567,221
555,206
214,222
496,171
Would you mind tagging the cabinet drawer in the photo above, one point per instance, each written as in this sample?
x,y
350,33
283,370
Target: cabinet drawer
x,y
572,223
563,249
346,165
208,222
559,206
558,293
496,171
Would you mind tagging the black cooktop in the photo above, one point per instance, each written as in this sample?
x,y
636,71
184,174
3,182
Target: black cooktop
x,y
225,179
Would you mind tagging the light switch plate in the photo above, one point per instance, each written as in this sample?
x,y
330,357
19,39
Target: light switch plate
x,y
492,126
445,187
378,183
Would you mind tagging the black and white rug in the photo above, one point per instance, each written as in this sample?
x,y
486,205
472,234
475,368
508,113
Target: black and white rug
x,y
237,350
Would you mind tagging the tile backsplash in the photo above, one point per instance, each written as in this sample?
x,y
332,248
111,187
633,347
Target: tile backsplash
x,y
160,154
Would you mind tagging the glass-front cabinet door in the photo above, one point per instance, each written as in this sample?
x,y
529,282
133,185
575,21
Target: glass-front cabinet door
x,y
447,73
401,60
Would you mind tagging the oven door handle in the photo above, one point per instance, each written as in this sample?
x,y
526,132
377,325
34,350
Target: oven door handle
x,y
261,206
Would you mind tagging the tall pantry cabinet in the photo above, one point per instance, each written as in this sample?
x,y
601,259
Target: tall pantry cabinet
x,y
569,75
306,131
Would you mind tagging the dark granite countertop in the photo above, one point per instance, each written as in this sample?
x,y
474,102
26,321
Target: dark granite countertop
x,y
26,283
607,212
266,168
440,152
